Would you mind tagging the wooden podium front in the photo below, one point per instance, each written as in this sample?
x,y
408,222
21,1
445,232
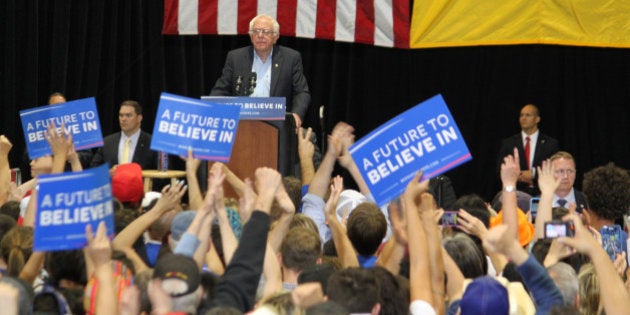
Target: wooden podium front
x,y
262,143
256,145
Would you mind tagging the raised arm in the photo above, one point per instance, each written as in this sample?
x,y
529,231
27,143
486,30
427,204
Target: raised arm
x,y
99,252
321,180
419,264
510,170
306,150
548,185
345,160
345,250
394,250
195,198
434,246
613,294
60,143
280,229
5,175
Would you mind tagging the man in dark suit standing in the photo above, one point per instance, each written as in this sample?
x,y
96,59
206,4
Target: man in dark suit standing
x,y
265,69
564,170
130,144
533,147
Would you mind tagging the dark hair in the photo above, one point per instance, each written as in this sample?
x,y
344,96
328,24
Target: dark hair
x,y
11,208
608,191
474,205
136,106
66,265
300,248
392,297
355,289
6,224
366,228
326,308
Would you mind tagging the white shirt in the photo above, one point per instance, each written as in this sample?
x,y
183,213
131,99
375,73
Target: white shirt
x,y
570,198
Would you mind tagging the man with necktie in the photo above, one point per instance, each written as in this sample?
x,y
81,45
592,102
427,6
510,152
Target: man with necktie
x,y
533,147
130,144
563,164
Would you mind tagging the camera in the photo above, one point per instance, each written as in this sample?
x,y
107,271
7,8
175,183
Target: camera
x,y
449,218
555,229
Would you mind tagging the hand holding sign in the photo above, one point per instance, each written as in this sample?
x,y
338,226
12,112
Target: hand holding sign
x,y
98,247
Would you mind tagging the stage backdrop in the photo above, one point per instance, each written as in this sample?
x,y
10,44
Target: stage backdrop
x,y
114,50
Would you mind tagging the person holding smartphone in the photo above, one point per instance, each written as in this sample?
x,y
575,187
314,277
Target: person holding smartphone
x,y
608,188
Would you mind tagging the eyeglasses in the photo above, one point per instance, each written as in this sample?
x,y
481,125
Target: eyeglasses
x,y
263,32
568,172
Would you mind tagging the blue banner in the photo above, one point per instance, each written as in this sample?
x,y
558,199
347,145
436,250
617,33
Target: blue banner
x,y
80,118
66,203
182,123
424,137
254,108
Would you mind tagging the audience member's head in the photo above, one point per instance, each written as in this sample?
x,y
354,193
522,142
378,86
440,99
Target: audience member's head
x,y
566,280
293,187
589,303
327,308
355,289
6,224
485,295
366,228
56,98
467,255
11,208
392,297
300,248
179,225
280,303
16,247
25,294
41,165
319,273
474,205
181,280
302,220
127,185
66,268
608,191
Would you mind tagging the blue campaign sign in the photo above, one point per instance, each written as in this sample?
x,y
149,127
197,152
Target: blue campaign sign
x,y
424,137
208,128
254,108
66,203
80,118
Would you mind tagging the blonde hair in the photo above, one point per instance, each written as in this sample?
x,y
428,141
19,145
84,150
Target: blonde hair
x,y
588,290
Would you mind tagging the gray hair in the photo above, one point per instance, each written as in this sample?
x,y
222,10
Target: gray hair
x,y
565,278
276,26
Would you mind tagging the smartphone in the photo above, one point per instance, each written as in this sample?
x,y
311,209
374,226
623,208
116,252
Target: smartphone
x,y
612,240
533,206
555,229
449,218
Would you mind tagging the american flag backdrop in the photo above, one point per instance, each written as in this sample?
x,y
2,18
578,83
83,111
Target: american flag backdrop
x,y
373,22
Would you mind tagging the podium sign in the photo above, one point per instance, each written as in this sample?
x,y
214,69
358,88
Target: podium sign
x,y
254,108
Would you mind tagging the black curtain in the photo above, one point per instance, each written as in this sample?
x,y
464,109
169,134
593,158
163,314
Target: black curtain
x,y
114,50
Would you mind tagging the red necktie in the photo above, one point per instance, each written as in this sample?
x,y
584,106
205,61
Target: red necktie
x,y
527,151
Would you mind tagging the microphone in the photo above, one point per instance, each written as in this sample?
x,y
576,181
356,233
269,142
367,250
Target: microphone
x,y
237,86
252,83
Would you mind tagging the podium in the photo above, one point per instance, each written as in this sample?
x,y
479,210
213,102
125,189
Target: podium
x,y
262,137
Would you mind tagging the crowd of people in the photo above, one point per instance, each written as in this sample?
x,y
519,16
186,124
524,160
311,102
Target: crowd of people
x,y
309,245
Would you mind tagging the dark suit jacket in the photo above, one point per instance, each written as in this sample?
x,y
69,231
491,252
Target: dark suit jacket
x,y
287,76
142,155
546,146
581,202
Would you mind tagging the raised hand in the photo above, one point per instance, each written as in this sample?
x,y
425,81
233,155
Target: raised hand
x,y
510,169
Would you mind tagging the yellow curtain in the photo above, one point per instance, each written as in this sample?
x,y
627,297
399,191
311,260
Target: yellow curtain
x,y
448,23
